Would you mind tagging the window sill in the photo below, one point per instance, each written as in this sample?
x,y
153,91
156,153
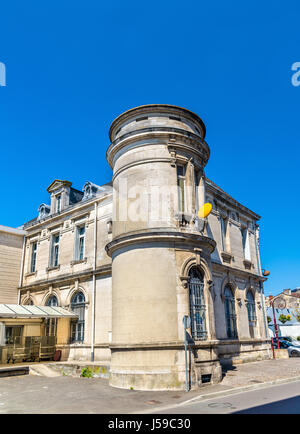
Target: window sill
x,y
57,267
78,261
32,273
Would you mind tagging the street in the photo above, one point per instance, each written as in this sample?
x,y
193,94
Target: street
x,y
279,399
38,394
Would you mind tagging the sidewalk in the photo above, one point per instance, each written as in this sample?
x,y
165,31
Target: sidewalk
x,y
247,376
67,394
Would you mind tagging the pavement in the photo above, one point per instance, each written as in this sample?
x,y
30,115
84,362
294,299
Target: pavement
x,y
67,394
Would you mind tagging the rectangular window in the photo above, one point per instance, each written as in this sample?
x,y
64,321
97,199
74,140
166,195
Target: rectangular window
x,y
80,243
223,234
246,244
58,203
181,187
33,257
13,334
54,251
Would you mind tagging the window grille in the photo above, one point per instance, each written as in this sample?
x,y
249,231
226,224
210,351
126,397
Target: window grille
x,y
251,307
197,305
230,315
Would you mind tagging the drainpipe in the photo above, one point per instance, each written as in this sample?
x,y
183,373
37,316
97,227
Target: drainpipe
x,y
94,283
21,270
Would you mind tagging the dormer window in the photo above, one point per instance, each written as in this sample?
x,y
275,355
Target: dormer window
x,y
44,211
91,190
88,191
58,203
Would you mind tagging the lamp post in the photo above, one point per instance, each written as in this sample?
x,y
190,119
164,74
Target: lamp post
x,y
275,323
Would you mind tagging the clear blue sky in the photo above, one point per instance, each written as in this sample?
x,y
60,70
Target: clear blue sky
x,y
72,67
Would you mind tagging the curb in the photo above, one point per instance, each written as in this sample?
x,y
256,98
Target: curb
x,y
221,393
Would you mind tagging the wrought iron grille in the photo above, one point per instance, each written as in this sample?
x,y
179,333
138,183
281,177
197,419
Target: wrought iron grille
x,y
251,311
197,309
230,317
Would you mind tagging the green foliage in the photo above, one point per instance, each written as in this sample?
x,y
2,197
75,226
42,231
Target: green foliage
x,y
86,372
284,318
298,338
269,319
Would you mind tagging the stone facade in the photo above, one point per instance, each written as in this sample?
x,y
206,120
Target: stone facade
x,y
291,298
141,258
11,246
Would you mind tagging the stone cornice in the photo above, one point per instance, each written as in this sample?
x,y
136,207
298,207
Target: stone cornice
x,y
64,278
181,139
152,109
180,344
158,236
237,271
226,198
66,212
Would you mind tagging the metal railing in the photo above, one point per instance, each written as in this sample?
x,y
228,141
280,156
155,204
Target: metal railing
x,y
30,348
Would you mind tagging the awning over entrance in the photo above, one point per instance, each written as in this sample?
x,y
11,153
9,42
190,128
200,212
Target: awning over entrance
x,y
30,311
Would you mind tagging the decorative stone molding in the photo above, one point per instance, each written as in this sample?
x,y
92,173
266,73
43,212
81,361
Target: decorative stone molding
x,y
227,257
211,288
184,281
109,224
239,301
248,264
229,280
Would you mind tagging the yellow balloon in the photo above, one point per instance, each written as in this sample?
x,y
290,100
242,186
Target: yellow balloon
x,y
204,210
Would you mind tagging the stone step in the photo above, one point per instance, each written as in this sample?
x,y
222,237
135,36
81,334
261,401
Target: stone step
x,y
16,370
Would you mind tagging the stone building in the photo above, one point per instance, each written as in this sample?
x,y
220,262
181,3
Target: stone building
x,y
291,298
132,257
11,247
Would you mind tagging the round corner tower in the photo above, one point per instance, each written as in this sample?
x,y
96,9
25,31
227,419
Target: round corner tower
x,y
161,255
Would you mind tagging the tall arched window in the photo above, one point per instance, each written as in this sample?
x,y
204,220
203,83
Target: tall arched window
x,y
230,315
78,307
251,312
197,304
52,301
51,323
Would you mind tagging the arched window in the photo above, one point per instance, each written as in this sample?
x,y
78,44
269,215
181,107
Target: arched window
x,y
251,312
52,301
51,323
28,302
197,304
230,315
78,307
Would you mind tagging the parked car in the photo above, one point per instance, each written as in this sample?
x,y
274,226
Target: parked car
x,y
290,339
293,350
